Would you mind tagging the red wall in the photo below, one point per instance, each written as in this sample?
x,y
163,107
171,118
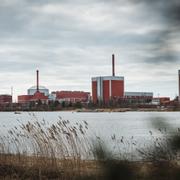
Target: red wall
x,y
39,96
5,99
72,94
35,97
24,98
106,90
94,91
117,88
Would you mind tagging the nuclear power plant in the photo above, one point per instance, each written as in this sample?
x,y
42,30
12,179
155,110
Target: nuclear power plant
x,y
41,93
111,88
34,95
105,91
106,87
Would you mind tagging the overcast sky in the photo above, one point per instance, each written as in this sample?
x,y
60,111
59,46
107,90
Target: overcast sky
x,y
70,41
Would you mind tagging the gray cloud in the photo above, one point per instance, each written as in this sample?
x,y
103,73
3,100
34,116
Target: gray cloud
x,y
72,40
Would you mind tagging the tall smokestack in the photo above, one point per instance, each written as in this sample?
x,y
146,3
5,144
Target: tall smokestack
x,y
179,84
113,66
37,82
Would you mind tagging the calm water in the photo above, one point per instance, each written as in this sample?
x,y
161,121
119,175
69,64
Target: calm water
x,y
129,125
101,124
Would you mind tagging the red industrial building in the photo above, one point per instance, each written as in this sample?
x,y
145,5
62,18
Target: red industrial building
x,y
33,98
24,98
105,88
72,96
161,100
5,99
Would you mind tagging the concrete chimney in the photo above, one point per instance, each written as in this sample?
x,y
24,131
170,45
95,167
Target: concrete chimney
x,y
113,65
37,81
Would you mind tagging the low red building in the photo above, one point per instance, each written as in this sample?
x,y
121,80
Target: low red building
x,y
33,98
72,96
39,96
161,100
24,98
5,99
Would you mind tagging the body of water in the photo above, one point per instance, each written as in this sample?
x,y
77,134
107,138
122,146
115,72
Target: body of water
x,y
102,123
130,126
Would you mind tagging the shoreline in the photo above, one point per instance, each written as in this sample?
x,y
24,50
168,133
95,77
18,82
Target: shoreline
x,y
97,110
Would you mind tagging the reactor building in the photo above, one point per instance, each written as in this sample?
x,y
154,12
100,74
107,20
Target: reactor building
x,y
105,88
35,93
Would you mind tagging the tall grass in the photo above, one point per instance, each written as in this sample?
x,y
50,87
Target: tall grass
x,y
38,145
62,150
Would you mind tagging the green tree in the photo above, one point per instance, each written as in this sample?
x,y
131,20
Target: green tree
x,y
63,104
78,105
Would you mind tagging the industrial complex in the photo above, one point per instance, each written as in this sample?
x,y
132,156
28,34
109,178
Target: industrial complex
x,y
111,88
41,93
35,95
106,90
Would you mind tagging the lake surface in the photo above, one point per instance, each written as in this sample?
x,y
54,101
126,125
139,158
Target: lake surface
x,y
127,125
101,123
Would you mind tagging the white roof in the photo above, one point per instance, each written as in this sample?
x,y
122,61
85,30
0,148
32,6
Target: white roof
x,y
108,78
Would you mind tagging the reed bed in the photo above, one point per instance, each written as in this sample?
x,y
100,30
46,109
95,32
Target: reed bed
x,y
62,150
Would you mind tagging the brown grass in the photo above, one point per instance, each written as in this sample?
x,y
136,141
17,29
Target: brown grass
x,y
37,150
11,167
29,167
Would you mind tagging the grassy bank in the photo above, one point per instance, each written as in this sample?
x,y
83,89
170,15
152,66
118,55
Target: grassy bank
x,y
38,150
28,167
